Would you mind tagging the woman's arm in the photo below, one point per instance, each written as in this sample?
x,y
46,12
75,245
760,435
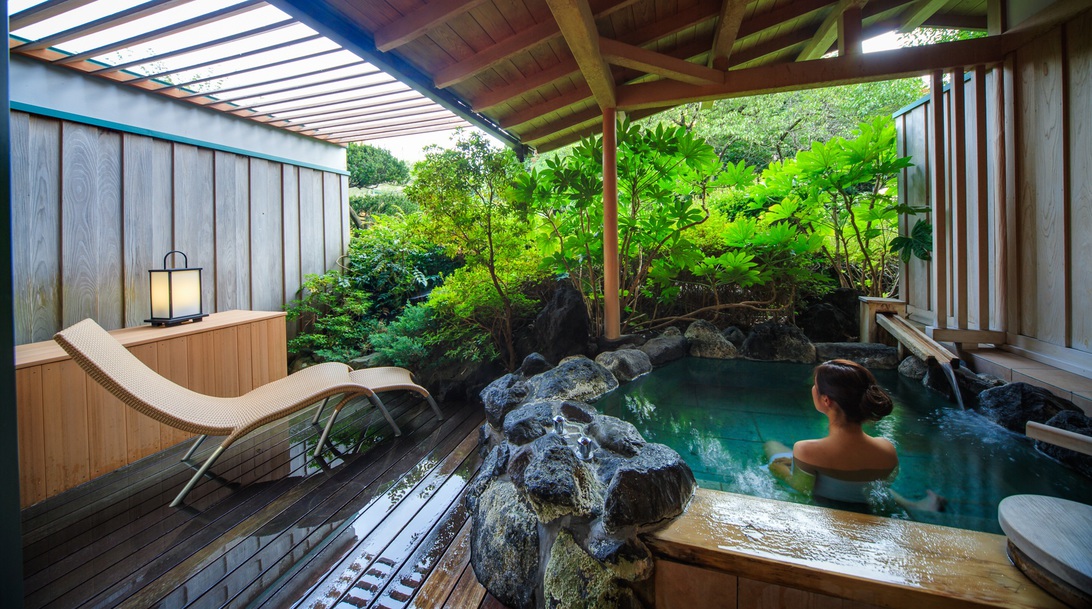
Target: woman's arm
x,y
798,479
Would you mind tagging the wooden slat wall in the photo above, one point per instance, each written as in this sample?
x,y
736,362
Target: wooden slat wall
x,y
71,430
1026,271
95,209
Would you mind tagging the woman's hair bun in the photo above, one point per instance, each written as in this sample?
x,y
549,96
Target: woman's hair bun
x,y
875,403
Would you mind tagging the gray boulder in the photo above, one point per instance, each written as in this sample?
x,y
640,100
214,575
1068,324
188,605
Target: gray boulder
x,y
707,341
1077,422
772,341
573,578
869,355
671,331
534,364
577,378
502,395
734,336
653,486
616,435
665,348
504,545
528,422
625,364
913,368
562,327
1013,405
556,482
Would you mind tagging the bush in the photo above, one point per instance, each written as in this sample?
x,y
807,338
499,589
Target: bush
x,y
382,203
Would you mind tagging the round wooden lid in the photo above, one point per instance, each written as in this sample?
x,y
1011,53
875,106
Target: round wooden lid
x,y
1055,533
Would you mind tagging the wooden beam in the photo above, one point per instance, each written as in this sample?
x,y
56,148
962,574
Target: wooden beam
x,y
918,342
849,32
575,119
219,93
916,15
1059,437
514,45
577,24
281,114
98,25
611,302
724,36
420,20
884,65
957,22
939,200
40,12
995,17
827,33
220,60
651,62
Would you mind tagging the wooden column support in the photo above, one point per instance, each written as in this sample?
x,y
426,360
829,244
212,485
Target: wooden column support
x,y
870,306
611,306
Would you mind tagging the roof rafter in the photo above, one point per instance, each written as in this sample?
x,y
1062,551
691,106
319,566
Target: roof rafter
x,y
514,44
828,72
827,34
919,12
630,56
40,12
419,21
724,37
577,24
93,27
221,60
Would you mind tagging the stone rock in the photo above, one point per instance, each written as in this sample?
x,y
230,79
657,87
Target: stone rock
x,y
627,558
616,435
534,364
301,362
834,319
1077,422
671,331
626,341
555,480
576,378
494,464
626,364
772,341
562,327
970,384
654,486
578,412
664,348
707,341
734,336
504,545
370,360
528,422
913,368
869,355
573,578
1014,404
502,395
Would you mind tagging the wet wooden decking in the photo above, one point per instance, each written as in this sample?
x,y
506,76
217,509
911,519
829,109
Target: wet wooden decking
x,y
380,526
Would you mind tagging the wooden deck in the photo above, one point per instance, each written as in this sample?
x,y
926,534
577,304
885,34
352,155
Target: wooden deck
x,y
381,526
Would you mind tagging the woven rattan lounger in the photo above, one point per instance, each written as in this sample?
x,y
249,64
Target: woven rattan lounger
x,y
130,380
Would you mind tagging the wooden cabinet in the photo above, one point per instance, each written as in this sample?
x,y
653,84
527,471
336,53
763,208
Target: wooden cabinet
x,y
71,430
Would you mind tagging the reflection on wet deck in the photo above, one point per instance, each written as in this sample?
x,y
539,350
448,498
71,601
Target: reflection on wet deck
x,y
368,527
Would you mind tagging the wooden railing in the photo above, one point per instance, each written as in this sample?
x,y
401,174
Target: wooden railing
x,y
71,430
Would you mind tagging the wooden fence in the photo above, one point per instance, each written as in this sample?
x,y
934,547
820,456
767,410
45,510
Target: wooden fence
x,y
95,209
1004,158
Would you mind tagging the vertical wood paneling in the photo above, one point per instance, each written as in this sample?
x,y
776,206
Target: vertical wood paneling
x,y
32,453
939,200
1041,205
146,222
980,202
107,443
346,224
958,135
1079,50
173,361
36,150
312,248
332,219
66,438
194,215
916,187
144,434
232,232
290,195
995,109
91,225
266,235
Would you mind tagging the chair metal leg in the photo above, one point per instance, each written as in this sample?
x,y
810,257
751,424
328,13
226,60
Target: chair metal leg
x,y
193,448
200,472
379,404
337,410
435,407
318,413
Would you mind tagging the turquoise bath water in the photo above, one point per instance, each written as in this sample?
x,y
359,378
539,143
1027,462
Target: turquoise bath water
x,y
718,413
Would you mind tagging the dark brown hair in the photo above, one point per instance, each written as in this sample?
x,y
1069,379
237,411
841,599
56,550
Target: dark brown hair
x,y
854,388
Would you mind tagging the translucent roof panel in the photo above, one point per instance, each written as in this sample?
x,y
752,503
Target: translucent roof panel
x,y
245,57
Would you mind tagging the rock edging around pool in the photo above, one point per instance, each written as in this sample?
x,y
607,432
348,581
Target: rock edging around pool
x,y
563,491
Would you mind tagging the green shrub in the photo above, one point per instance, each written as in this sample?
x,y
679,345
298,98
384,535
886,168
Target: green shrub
x,y
382,203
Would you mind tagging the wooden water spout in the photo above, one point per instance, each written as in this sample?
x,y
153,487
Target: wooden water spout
x,y
921,345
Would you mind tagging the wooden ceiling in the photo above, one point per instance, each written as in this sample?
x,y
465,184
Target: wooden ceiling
x,y
541,70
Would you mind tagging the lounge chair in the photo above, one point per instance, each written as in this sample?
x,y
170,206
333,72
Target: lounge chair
x,y
135,384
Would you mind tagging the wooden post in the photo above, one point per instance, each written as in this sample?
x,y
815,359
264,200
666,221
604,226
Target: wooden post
x,y
611,307
939,202
849,32
985,238
960,232
870,306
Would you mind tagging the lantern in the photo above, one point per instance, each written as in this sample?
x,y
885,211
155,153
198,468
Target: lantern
x,y
175,293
